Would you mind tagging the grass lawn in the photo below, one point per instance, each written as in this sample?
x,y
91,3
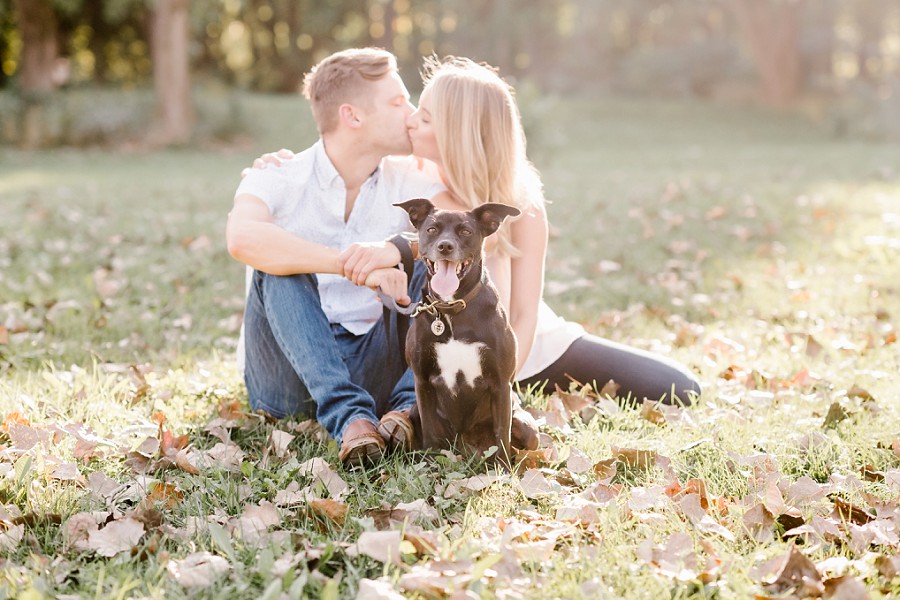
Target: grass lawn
x,y
756,249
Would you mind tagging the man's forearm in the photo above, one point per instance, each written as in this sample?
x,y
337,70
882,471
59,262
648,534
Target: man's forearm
x,y
268,248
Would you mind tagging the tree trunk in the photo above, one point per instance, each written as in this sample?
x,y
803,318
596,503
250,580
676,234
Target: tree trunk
x,y
772,30
171,74
40,51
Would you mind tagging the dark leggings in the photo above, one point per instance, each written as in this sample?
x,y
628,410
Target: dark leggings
x,y
640,374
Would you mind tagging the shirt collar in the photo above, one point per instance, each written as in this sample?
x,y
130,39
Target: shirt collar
x,y
326,174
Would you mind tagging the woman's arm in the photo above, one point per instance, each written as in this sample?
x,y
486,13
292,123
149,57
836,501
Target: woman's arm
x,y
529,236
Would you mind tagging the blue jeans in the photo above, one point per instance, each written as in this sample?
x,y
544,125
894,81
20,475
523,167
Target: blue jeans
x,y
297,363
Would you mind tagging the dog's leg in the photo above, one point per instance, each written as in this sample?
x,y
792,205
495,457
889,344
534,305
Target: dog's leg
x,y
501,412
426,403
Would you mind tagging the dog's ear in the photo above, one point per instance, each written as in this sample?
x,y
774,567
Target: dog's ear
x,y
418,209
489,216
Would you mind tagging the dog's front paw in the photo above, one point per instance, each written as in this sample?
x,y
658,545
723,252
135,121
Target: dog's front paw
x,y
524,434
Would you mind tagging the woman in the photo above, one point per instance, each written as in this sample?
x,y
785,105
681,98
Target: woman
x,y
468,126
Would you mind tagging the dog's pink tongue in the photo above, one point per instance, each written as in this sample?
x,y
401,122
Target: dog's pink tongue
x,y
444,282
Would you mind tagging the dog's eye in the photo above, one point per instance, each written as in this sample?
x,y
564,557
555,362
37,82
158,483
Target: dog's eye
x,y
466,232
432,230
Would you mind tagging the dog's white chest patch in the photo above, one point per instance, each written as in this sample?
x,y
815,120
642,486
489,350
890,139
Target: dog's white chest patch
x,y
454,357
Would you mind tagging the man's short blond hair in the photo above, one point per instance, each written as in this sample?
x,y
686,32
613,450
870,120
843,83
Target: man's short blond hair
x,y
344,78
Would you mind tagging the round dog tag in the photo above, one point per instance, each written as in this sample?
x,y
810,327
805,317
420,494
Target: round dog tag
x,y
437,327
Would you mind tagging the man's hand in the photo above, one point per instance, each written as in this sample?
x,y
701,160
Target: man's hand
x,y
392,282
360,260
270,158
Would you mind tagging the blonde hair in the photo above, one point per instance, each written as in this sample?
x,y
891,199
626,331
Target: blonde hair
x,y
480,138
342,78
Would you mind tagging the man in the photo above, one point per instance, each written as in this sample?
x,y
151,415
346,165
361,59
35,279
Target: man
x,y
312,344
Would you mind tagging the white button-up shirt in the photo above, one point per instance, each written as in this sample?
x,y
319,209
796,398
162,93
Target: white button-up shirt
x,y
307,197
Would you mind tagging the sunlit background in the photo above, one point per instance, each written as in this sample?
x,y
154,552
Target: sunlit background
x,y
837,62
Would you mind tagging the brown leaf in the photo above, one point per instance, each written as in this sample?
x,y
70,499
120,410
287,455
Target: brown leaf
x,y
804,490
573,403
13,418
166,494
231,410
329,510
888,566
869,473
759,523
858,392
533,459
846,511
795,573
169,445
610,389
650,412
85,450
605,469
635,458
836,414
183,462
845,588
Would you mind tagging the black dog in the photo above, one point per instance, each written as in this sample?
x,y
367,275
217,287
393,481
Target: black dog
x,y
460,345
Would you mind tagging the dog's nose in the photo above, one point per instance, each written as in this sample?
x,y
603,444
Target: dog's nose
x,y
445,247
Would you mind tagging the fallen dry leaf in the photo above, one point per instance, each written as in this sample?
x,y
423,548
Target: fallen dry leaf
x,y
226,456
11,537
650,412
533,459
460,488
793,572
888,566
578,462
279,442
375,589
253,524
319,469
198,570
166,494
534,484
676,559
846,511
438,579
635,458
845,588
383,546
118,536
329,510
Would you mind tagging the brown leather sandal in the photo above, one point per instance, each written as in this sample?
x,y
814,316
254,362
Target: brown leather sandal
x,y
397,430
361,444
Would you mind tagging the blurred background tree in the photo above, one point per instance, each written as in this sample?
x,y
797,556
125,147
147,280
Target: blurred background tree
x,y
837,60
